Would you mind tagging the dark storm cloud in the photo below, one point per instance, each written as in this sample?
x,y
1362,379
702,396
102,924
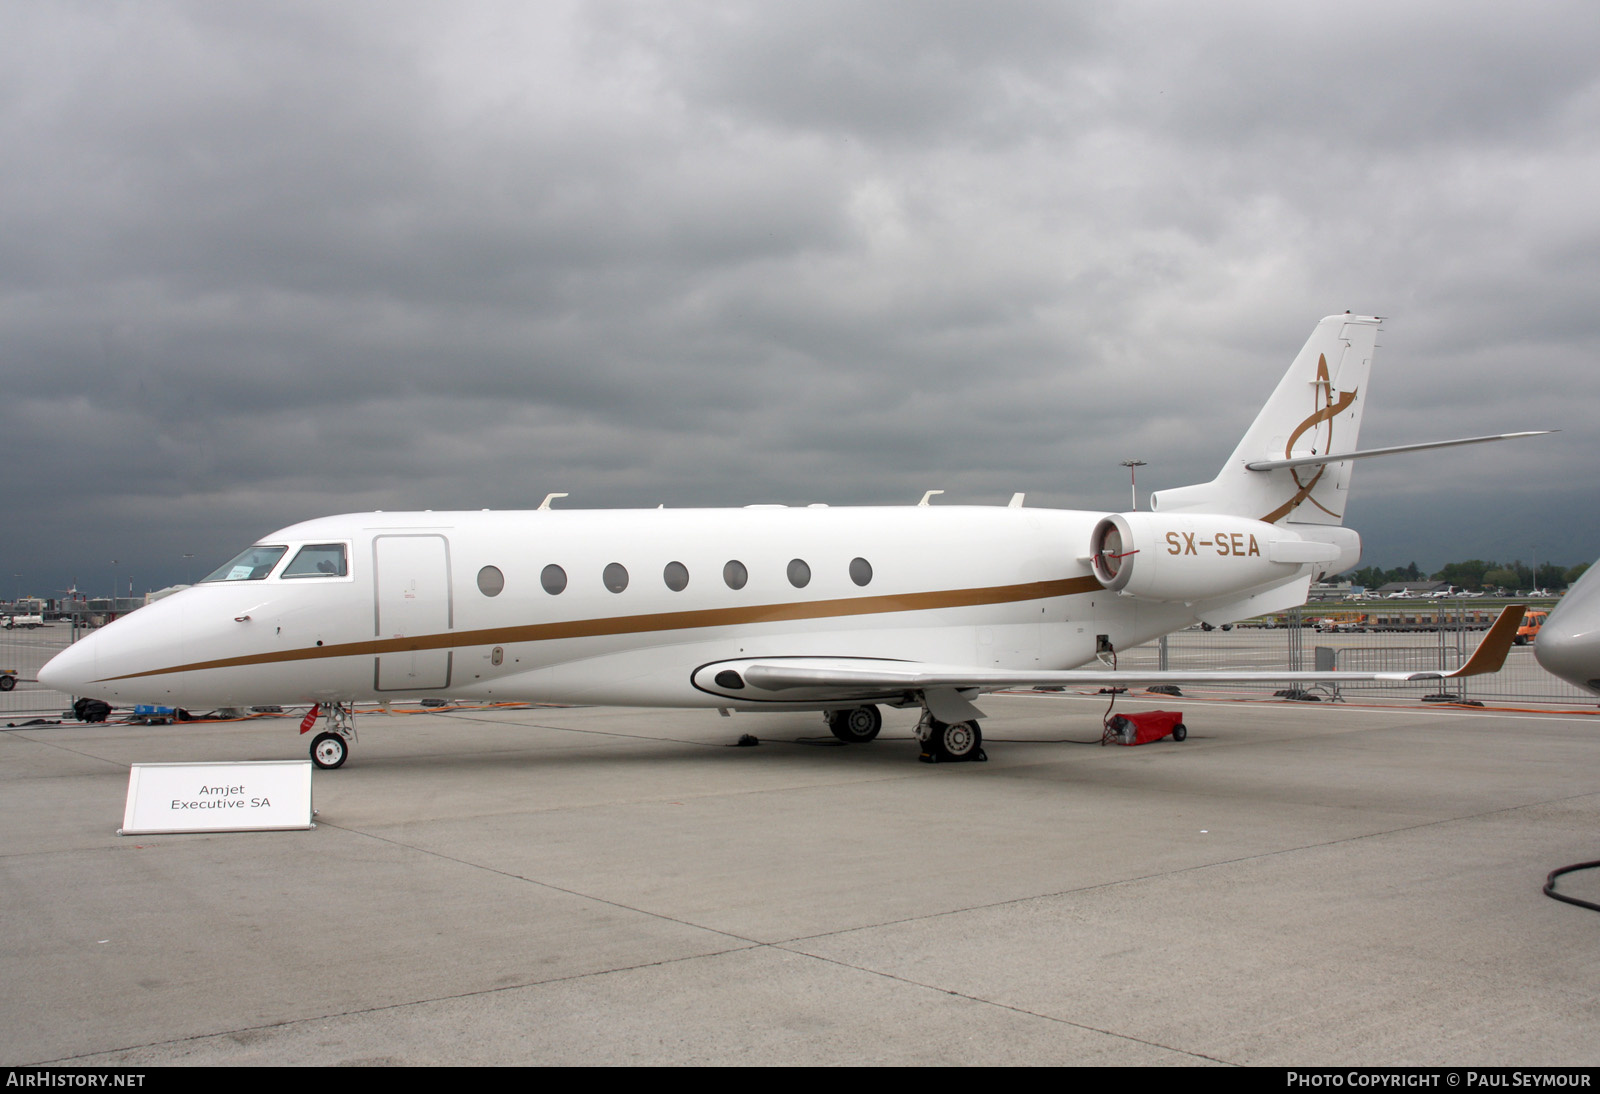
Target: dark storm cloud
x,y
259,263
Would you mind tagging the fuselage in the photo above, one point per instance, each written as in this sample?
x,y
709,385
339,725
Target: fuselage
x,y
611,606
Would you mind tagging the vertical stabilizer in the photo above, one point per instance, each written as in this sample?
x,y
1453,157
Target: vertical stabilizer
x,y
1316,409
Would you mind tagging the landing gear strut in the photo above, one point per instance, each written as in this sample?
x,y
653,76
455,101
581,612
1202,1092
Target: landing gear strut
x,y
331,748
950,742
855,727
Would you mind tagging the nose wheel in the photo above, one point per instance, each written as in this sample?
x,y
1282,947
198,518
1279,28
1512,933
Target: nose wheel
x,y
331,748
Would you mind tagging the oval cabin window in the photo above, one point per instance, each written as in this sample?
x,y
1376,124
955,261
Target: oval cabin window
x,y
491,582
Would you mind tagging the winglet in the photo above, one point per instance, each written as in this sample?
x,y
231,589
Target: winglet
x,y
1491,652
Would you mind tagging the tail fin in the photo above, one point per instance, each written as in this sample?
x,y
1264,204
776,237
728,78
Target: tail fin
x,y
1315,409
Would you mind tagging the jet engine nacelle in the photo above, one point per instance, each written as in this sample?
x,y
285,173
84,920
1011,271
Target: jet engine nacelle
x,y
1195,557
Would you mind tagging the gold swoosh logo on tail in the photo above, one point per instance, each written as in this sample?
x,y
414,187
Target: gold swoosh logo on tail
x,y
1331,408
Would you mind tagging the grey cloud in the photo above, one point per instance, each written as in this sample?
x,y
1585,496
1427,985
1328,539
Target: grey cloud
x,y
265,263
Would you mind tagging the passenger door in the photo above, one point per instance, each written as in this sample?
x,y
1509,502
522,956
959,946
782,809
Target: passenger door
x,y
411,576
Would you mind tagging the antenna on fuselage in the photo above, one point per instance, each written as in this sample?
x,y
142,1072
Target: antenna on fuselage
x,y
927,497
548,498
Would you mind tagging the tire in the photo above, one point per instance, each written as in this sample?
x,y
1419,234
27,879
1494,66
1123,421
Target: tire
x,y
956,741
857,726
329,751
1180,731
7,683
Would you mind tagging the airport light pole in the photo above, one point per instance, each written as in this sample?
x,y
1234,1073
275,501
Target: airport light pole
x,y
1133,489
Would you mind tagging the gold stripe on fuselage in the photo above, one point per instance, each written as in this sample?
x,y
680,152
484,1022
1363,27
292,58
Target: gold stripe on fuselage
x,y
661,621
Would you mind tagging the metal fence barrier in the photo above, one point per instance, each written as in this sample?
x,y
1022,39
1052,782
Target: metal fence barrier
x,y
1522,680
23,651
1457,634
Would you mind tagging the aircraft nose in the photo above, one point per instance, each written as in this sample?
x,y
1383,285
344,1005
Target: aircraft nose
x,y
1571,652
1568,644
70,671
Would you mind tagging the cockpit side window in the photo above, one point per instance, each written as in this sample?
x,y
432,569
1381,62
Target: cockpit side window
x,y
253,564
318,560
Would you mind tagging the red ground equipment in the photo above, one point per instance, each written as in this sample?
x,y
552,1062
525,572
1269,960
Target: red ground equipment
x,y
1144,727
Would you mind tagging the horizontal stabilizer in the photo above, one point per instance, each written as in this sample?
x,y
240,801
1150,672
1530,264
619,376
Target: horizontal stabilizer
x,y
1337,457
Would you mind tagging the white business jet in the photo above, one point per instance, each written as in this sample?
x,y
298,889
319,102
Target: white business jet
x,y
766,607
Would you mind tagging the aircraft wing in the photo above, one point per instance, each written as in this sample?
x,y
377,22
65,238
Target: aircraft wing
x,y
811,678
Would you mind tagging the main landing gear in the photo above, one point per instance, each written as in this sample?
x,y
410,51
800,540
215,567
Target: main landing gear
x,y
857,726
942,742
949,742
331,748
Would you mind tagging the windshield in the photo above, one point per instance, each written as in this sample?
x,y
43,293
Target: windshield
x,y
253,564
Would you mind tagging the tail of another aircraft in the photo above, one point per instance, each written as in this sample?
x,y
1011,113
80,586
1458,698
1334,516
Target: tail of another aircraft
x,y
1316,409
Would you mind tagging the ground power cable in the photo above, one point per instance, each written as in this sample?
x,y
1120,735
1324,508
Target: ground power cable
x,y
1550,885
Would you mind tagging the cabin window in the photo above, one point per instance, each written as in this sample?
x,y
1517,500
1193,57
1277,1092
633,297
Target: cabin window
x,y
735,574
553,578
676,575
860,571
491,582
799,573
616,576
252,565
318,560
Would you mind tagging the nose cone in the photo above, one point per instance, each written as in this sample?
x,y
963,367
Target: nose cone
x,y
1568,644
71,670
110,664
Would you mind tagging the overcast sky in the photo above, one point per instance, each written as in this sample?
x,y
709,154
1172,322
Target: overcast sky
x,y
264,262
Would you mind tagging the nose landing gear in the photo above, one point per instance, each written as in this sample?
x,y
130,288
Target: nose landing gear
x,y
331,748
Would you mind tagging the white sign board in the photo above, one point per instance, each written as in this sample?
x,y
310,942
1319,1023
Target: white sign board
x,y
225,797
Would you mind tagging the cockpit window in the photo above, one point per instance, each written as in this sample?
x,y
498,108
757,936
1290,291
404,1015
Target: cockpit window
x,y
318,560
253,564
